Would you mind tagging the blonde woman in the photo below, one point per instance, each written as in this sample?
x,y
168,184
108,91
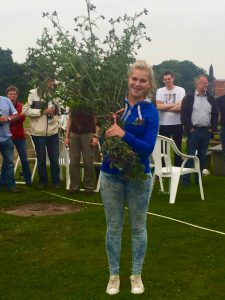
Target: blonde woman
x,y
140,128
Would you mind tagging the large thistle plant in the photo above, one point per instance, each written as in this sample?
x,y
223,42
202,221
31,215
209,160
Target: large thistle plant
x,y
91,71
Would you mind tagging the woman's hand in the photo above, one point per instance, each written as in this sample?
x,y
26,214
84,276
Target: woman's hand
x,y
115,130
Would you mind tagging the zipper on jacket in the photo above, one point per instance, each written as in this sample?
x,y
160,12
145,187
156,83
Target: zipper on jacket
x,y
47,126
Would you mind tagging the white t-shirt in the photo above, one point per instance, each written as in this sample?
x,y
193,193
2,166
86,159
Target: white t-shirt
x,y
173,96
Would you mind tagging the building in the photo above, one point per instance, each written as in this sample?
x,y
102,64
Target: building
x,y
219,87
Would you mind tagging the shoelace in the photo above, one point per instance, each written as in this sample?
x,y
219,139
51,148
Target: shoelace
x,y
112,282
137,281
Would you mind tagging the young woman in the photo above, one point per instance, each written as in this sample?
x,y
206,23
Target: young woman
x,y
140,130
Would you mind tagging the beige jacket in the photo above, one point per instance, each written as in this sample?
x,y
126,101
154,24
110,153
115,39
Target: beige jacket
x,y
40,125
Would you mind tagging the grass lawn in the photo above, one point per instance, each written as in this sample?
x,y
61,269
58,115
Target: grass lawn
x,y
63,257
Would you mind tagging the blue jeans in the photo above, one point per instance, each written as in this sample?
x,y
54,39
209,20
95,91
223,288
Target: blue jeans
x,y
21,147
115,193
7,174
197,140
51,144
222,138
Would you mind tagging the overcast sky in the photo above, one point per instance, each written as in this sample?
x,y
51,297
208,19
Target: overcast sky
x,y
179,29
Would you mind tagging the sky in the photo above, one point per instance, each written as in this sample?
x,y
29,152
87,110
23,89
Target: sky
x,y
180,29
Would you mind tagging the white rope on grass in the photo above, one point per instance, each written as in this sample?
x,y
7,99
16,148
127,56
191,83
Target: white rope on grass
x,y
74,200
149,213
186,223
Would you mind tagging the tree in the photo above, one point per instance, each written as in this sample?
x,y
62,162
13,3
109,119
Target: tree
x,y
211,87
12,73
211,74
184,71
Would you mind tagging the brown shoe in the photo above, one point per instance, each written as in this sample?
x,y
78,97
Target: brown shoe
x,y
41,186
13,190
71,191
57,186
89,192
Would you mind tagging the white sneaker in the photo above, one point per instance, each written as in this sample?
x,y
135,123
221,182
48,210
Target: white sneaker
x,y
137,286
113,286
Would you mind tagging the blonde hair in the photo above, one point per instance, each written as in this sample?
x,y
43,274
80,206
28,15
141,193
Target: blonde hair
x,y
144,66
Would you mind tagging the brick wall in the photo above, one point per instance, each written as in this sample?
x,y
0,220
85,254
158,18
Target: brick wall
x,y
219,88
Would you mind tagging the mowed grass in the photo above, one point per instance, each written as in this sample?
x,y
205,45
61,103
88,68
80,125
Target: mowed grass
x,y
63,257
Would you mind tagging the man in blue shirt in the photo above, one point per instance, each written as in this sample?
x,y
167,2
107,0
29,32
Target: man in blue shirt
x,y
7,113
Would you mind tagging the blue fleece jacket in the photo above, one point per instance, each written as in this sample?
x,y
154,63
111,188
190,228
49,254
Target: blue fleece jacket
x,y
141,124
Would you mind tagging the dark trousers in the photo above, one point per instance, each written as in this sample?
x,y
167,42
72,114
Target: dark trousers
x,y
197,141
7,174
176,133
51,144
21,147
222,138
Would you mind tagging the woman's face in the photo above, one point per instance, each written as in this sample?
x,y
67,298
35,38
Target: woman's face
x,y
139,84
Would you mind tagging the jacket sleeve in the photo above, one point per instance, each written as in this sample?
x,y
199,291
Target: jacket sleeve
x,y
28,111
214,115
185,115
21,117
145,145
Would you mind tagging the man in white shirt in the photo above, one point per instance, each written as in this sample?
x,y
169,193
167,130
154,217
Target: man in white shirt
x,y
168,102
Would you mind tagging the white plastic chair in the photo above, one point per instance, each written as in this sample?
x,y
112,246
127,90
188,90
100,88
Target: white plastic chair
x,y
161,151
30,144
152,167
64,160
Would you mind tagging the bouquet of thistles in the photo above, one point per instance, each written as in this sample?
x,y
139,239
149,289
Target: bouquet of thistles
x,y
121,155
